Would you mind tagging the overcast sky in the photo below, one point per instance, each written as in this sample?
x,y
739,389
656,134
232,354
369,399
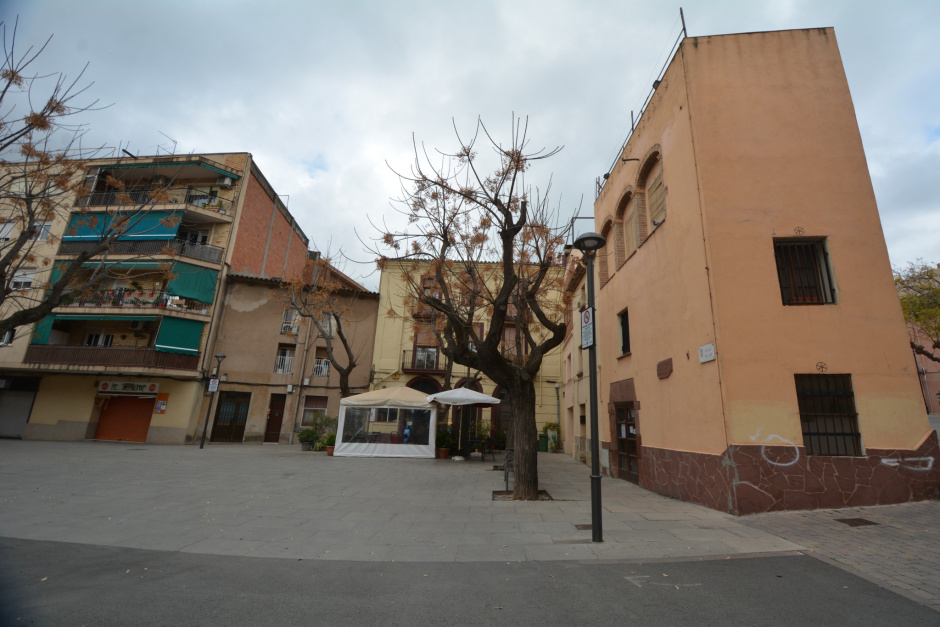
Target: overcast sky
x,y
323,94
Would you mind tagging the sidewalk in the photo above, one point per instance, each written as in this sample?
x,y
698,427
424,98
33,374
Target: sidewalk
x,y
275,501
900,552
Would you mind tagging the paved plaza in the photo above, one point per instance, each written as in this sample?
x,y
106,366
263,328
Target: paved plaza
x,y
278,502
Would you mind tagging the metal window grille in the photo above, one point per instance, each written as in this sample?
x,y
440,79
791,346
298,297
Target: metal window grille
x,y
803,271
321,367
624,333
284,364
827,414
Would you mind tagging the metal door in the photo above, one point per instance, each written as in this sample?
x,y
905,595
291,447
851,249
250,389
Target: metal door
x,y
628,454
230,417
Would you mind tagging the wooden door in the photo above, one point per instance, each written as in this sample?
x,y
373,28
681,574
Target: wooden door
x,y
272,431
125,418
231,414
628,454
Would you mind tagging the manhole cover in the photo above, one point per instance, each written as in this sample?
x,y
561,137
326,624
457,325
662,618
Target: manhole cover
x,y
506,495
855,522
583,527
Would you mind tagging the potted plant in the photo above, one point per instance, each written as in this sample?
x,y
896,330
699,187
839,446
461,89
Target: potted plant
x,y
307,438
329,441
445,442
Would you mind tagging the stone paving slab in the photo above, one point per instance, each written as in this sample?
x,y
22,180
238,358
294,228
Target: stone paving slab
x,y
276,501
901,552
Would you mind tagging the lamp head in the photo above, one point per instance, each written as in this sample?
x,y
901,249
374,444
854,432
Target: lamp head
x,y
220,356
589,242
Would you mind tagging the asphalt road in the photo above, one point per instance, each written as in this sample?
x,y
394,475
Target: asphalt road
x,y
56,583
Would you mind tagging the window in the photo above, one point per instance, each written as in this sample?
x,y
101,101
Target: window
x,y
827,414
509,342
284,362
99,339
425,358
603,272
7,338
41,231
290,321
386,414
656,198
804,272
6,229
630,231
328,324
321,367
23,279
314,410
624,319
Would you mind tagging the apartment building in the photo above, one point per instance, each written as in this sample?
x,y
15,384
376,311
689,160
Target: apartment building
x,y
753,354
129,359
277,378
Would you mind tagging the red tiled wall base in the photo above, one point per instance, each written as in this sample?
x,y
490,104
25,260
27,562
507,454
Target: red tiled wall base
x,y
751,479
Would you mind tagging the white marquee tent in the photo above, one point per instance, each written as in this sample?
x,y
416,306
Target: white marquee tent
x,y
392,422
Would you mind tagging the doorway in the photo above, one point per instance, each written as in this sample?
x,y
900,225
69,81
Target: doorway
x,y
230,417
272,430
628,454
125,418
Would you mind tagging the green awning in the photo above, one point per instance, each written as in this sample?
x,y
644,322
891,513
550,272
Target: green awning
x,y
42,330
193,282
134,166
144,225
177,335
122,264
102,317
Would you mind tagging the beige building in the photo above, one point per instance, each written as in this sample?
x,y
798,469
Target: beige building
x,y
129,360
407,353
752,351
276,377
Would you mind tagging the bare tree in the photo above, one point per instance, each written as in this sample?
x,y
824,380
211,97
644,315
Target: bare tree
x,y
42,179
480,245
919,288
326,296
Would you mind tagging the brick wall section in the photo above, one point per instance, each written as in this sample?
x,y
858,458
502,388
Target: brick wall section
x,y
297,257
280,235
253,224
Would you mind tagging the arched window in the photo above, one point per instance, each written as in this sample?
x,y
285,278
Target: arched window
x,y
602,270
629,226
621,245
650,201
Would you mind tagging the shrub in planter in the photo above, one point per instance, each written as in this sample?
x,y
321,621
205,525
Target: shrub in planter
x,y
307,438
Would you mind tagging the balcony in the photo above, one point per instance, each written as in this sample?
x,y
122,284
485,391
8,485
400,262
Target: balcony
x,y
141,196
284,364
135,299
108,356
321,367
202,252
425,359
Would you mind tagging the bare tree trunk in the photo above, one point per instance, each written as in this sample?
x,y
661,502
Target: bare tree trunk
x,y
525,467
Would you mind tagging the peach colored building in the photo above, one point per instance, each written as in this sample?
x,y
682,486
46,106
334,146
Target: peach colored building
x,y
753,354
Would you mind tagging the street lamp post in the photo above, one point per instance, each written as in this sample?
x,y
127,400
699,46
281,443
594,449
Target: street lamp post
x,y
218,368
589,244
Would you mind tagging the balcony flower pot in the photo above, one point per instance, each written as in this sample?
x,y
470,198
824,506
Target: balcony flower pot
x,y
329,451
443,453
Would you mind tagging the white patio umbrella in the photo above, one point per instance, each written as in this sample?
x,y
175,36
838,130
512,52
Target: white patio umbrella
x,y
462,396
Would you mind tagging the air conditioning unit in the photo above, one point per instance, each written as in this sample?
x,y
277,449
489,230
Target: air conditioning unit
x,y
225,181
136,325
160,180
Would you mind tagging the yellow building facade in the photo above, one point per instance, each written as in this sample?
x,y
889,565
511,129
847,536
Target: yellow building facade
x,y
404,355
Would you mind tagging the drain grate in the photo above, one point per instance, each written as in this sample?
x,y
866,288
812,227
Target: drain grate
x,y
583,527
855,522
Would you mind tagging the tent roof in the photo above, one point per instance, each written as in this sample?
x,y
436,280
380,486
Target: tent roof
x,y
462,396
389,397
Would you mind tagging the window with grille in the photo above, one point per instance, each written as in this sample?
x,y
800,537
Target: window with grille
x,y
23,279
804,272
284,362
827,414
290,321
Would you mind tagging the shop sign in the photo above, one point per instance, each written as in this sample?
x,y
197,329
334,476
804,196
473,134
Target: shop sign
x,y
128,387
